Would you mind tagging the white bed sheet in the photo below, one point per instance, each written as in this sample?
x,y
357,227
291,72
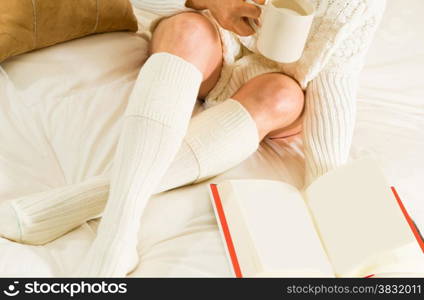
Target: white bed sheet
x,y
59,122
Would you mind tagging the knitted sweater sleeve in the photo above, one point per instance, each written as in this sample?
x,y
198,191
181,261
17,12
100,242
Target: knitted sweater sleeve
x,y
330,107
161,7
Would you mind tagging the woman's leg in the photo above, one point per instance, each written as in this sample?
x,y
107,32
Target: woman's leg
x,y
154,125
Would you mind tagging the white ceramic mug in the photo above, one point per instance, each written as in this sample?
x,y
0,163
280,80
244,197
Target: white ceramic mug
x,y
284,29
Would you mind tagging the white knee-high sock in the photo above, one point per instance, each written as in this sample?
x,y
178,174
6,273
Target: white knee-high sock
x,y
154,125
40,218
207,150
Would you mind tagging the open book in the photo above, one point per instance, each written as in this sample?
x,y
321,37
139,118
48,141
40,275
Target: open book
x,y
348,223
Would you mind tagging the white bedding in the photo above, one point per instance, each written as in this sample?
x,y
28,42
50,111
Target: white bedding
x,y
59,122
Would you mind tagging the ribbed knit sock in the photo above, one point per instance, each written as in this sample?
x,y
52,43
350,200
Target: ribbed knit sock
x,y
40,218
207,150
328,123
154,126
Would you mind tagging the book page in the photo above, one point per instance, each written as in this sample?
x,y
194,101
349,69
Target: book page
x,y
359,220
406,261
282,239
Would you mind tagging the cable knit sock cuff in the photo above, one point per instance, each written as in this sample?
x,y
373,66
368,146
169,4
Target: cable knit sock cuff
x,y
221,137
328,123
164,75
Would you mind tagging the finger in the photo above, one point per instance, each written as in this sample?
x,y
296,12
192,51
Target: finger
x,y
242,28
250,11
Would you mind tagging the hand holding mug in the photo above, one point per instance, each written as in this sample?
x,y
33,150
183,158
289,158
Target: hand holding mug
x,y
284,29
233,15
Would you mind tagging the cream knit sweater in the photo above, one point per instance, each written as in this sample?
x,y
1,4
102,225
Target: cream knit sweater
x,y
328,71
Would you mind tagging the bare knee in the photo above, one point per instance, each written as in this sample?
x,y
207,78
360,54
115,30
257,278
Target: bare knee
x,y
192,37
282,97
274,101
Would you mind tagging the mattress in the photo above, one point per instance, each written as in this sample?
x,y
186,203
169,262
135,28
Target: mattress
x,y
60,114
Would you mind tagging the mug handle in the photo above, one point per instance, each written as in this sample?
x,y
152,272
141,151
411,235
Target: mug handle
x,y
261,6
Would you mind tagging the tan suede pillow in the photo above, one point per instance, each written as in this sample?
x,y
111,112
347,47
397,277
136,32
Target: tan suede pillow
x,y
26,25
